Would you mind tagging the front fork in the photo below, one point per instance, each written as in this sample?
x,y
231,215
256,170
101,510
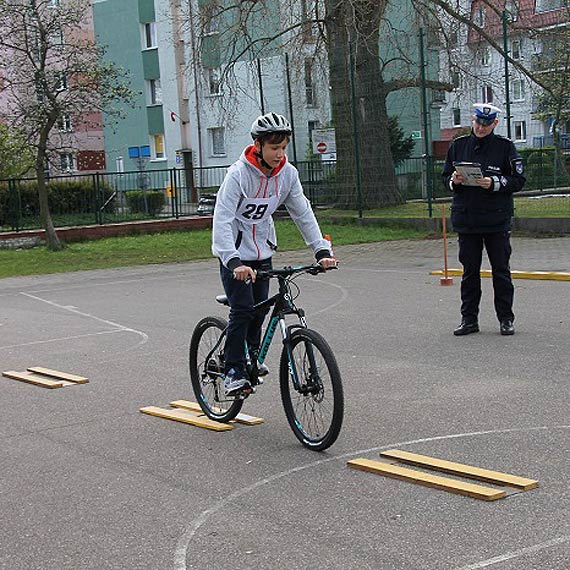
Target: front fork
x,y
313,380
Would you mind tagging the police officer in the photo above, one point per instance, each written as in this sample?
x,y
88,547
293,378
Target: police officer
x,y
481,214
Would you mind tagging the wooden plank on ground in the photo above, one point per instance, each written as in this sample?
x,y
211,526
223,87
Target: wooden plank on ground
x,y
540,275
460,469
60,375
428,479
187,417
36,379
195,407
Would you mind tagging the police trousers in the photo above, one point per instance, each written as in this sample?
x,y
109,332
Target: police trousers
x,y
498,247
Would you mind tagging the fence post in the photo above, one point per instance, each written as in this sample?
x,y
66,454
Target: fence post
x,y
355,130
98,213
14,206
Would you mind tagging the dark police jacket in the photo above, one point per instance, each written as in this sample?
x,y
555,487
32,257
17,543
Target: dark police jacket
x,y
475,209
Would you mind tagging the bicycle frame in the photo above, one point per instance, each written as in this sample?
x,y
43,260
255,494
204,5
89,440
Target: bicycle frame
x,y
283,304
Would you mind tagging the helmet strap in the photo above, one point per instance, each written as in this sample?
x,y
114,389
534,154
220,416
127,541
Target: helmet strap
x,y
259,154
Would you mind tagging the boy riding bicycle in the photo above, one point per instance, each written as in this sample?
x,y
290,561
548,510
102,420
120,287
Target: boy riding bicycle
x,y
244,236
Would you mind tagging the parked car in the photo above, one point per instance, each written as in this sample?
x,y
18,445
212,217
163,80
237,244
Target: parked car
x,y
206,204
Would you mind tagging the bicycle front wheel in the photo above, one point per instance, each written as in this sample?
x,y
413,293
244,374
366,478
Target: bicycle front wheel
x,y
206,361
315,410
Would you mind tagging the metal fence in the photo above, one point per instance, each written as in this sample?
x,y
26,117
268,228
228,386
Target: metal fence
x,y
103,198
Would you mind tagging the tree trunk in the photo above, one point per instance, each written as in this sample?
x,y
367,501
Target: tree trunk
x,y
52,240
378,185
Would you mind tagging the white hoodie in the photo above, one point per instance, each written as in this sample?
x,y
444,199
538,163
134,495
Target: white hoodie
x,y
243,228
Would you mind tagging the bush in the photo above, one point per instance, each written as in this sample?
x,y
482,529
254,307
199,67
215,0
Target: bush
x,y
155,200
64,197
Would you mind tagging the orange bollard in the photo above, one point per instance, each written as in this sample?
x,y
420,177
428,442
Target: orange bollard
x,y
445,280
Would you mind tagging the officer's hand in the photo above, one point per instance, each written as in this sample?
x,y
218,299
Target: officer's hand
x,y
457,178
486,182
244,273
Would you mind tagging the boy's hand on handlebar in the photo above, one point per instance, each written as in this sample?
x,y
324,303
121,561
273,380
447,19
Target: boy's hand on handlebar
x,y
328,262
244,273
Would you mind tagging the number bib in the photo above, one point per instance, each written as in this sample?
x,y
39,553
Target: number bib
x,y
256,210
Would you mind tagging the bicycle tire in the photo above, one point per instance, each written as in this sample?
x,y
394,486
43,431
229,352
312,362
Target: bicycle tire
x,y
207,383
314,416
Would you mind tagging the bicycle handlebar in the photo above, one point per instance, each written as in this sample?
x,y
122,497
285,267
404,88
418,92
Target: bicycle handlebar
x,y
288,271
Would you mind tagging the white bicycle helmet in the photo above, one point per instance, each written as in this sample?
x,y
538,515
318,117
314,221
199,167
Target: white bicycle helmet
x,y
270,123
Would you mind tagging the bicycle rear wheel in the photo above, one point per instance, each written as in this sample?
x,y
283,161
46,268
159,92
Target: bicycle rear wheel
x,y
315,412
206,363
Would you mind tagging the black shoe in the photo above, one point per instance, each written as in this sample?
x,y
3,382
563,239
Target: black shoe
x,y
507,328
466,327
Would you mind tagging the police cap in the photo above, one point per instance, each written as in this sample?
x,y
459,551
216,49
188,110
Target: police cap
x,y
485,114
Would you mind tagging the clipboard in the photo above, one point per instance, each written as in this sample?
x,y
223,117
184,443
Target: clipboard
x,y
470,170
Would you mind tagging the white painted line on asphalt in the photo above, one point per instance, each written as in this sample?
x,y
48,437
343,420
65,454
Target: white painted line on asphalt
x,y
182,546
59,339
517,553
336,303
118,326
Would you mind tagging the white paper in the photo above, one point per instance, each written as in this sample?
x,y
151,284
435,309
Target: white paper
x,y
470,170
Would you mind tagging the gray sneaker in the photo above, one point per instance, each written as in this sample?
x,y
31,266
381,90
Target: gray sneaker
x,y
235,382
262,370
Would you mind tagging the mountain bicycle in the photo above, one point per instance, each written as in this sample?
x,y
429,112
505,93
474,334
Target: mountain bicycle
x,y
309,376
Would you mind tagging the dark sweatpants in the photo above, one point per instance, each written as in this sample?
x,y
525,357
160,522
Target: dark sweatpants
x,y
498,248
244,323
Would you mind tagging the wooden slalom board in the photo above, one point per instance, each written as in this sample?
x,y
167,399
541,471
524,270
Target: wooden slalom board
x,y
59,375
541,275
195,407
187,417
45,377
461,469
36,379
428,480
458,486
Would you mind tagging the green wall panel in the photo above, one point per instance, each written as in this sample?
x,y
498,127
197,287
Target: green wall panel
x,y
146,11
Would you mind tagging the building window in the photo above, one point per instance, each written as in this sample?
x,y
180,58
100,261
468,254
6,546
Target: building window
x,y
512,10
516,49
479,16
520,131
549,5
154,92
518,90
214,80
455,78
456,117
64,124
309,87
485,56
150,35
211,22
486,94
66,162
217,141
158,145
61,81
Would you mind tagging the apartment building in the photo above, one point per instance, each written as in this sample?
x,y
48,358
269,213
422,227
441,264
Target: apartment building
x,y
479,73
76,143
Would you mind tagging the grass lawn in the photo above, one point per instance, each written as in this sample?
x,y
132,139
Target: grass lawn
x,y
553,206
170,247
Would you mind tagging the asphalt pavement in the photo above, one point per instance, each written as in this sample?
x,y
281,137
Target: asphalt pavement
x,y
90,483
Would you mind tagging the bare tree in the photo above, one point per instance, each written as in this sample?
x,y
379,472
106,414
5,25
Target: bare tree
x,y
53,69
522,18
345,36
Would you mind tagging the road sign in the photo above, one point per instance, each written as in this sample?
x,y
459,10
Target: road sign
x,y
416,134
323,141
